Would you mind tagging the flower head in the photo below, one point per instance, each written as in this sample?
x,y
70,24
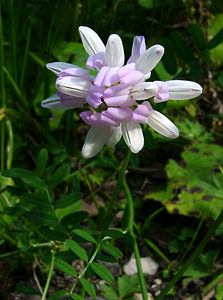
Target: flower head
x,y
114,96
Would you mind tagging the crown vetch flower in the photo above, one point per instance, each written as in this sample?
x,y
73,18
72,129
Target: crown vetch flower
x,y
112,96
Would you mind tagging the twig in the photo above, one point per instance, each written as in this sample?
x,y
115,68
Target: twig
x,y
35,263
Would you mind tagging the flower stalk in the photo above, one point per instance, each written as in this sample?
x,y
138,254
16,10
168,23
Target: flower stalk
x,y
50,274
130,228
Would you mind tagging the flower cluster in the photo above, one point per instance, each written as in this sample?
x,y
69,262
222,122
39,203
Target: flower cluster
x,y
115,101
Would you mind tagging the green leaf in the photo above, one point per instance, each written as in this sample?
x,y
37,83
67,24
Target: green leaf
x,y
88,287
102,272
215,26
216,40
5,181
26,176
219,292
77,249
58,295
59,175
40,211
198,36
76,297
112,250
37,59
146,3
71,221
127,285
109,292
41,161
169,59
63,212
157,250
181,48
65,267
68,200
85,235
113,232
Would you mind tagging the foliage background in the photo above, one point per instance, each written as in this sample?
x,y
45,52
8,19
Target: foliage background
x,y
40,187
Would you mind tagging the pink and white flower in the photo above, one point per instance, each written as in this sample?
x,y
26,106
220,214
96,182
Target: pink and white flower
x,y
110,100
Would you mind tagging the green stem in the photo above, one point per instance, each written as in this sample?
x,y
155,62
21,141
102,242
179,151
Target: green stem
x,y
130,228
2,79
87,266
40,245
140,271
192,240
10,144
213,283
194,255
2,145
9,254
49,276
2,94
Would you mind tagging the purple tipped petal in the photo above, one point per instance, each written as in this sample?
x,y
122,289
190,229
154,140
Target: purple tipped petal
x,y
138,48
94,98
98,119
162,93
111,77
132,78
125,70
99,79
122,100
142,112
118,114
119,89
76,72
144,90
96,61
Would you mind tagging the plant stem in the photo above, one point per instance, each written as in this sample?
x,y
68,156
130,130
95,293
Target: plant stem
x,y
87,266
194,255
49,276
10,144
130,228
40,245
2,95
9,254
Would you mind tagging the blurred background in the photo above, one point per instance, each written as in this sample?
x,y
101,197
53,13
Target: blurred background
x,y
177,185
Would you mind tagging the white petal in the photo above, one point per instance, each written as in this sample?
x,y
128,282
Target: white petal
x,y
95,140
144,90
53,102
162,124
91,41
73,86
115,137
133,136
114,52
149,59
57,67
183,89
